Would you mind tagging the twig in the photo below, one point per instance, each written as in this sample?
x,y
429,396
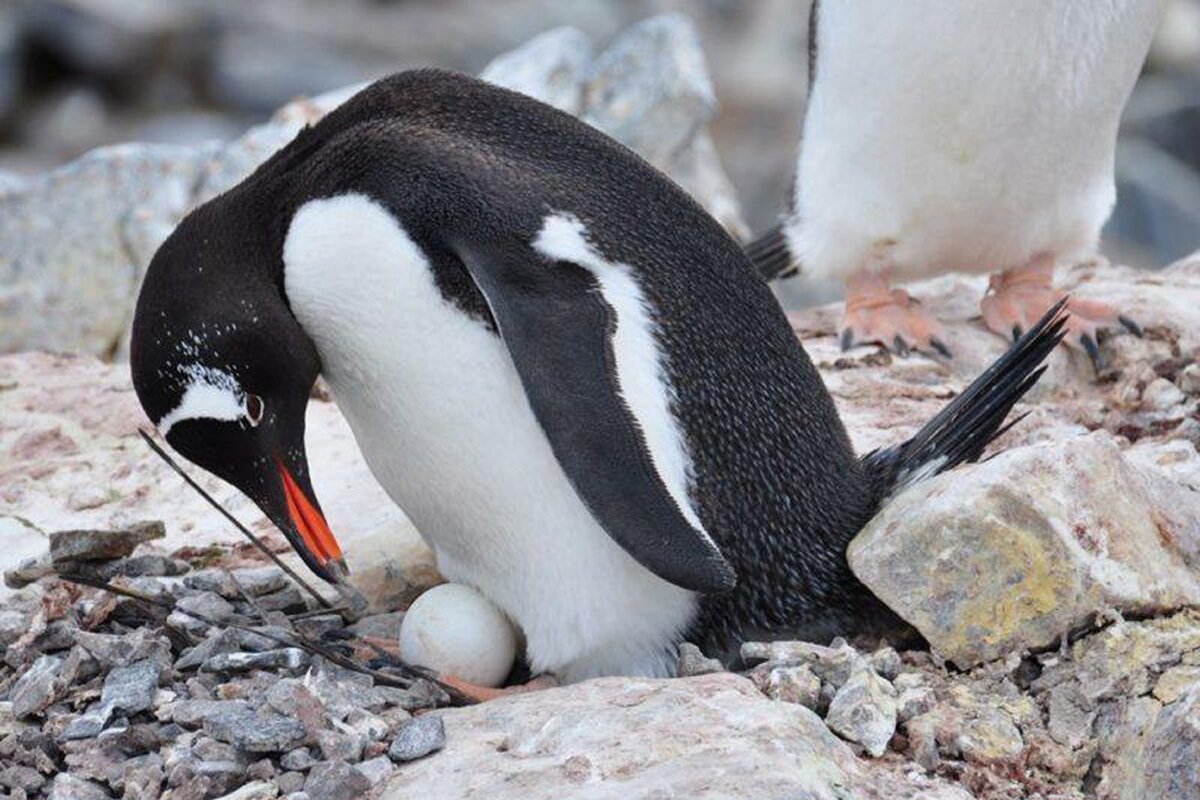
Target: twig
x,y
300,640
257,542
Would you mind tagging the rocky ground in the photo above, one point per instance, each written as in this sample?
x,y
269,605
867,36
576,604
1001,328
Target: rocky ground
x,y
1056,583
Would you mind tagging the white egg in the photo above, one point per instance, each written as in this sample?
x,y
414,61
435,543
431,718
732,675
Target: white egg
x,y
455,630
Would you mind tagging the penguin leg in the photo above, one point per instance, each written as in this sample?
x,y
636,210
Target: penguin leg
x,y
481,694
1017,298
875,312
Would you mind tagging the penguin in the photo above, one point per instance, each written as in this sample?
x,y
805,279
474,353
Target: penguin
x,y
973,137
562,369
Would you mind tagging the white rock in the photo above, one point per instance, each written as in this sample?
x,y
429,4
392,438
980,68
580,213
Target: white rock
x,y
617,738
455,630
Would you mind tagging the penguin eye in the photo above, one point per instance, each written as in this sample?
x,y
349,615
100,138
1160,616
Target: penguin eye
x,y
254,409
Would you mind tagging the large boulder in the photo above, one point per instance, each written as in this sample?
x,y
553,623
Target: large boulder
x,y
710,736
75,243
1013,553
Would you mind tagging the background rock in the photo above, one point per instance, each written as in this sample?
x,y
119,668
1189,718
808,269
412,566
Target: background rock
x,y
77,241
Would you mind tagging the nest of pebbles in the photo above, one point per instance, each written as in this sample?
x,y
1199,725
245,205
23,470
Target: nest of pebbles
x,y
224,680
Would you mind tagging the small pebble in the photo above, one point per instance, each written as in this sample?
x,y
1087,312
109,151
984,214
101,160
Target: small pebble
x,y
693,662
335,780
417,738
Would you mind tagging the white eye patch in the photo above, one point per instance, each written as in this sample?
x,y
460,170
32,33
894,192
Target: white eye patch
x,y
209,394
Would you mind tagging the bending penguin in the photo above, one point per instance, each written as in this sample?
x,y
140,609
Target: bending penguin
x,y
974,137
563,370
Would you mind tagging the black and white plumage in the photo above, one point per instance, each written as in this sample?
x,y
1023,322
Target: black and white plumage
x,y
561,368
973,137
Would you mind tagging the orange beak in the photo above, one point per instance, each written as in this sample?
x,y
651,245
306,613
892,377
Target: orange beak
x,y
311,525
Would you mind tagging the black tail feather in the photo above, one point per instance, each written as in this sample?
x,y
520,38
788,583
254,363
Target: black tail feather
x,y
960,431
770,255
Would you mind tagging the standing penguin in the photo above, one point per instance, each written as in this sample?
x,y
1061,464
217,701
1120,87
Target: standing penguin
x,y
976,137
563,370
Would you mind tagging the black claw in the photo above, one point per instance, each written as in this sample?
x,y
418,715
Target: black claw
x,y
1131,326
1017,332
900,347
940,346
1093,351
847,339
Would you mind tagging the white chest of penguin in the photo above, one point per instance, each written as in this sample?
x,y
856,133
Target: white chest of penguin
x,y
439,412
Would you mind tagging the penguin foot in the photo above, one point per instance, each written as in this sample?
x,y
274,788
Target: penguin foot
x,y
1018,298
891,317
481,694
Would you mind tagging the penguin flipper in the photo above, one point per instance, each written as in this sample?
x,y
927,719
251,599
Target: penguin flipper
x,y
558,328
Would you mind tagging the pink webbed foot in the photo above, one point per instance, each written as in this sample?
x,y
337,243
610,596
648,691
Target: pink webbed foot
x,y
1016,299
891,317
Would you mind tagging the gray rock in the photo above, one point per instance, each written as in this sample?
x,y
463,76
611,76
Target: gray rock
x,y
371,727
102,545
221,776
209,605
261,732
286,599
789,684
832,665
192,713
30,570
131,688
1189,379
148,565
288,658
69,276
256,790
990,738
864,711
318,626
1058,549
922,743
120,651
693,662
341,691
254,580
298,760
126,688
227,640
338,746
35,689
66,786
382,626
914,702
376,769
886,661
21,778
551,67
335,780
650,90
1172,763
289,782
13,624
417,738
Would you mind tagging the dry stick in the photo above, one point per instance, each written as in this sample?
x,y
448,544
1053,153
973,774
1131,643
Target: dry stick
x,y
301,640
259,543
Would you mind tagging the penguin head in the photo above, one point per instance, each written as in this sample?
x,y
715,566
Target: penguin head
x,y
225,372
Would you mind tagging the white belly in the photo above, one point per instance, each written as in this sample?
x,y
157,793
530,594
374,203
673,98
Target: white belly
x,y
437,408
975,136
